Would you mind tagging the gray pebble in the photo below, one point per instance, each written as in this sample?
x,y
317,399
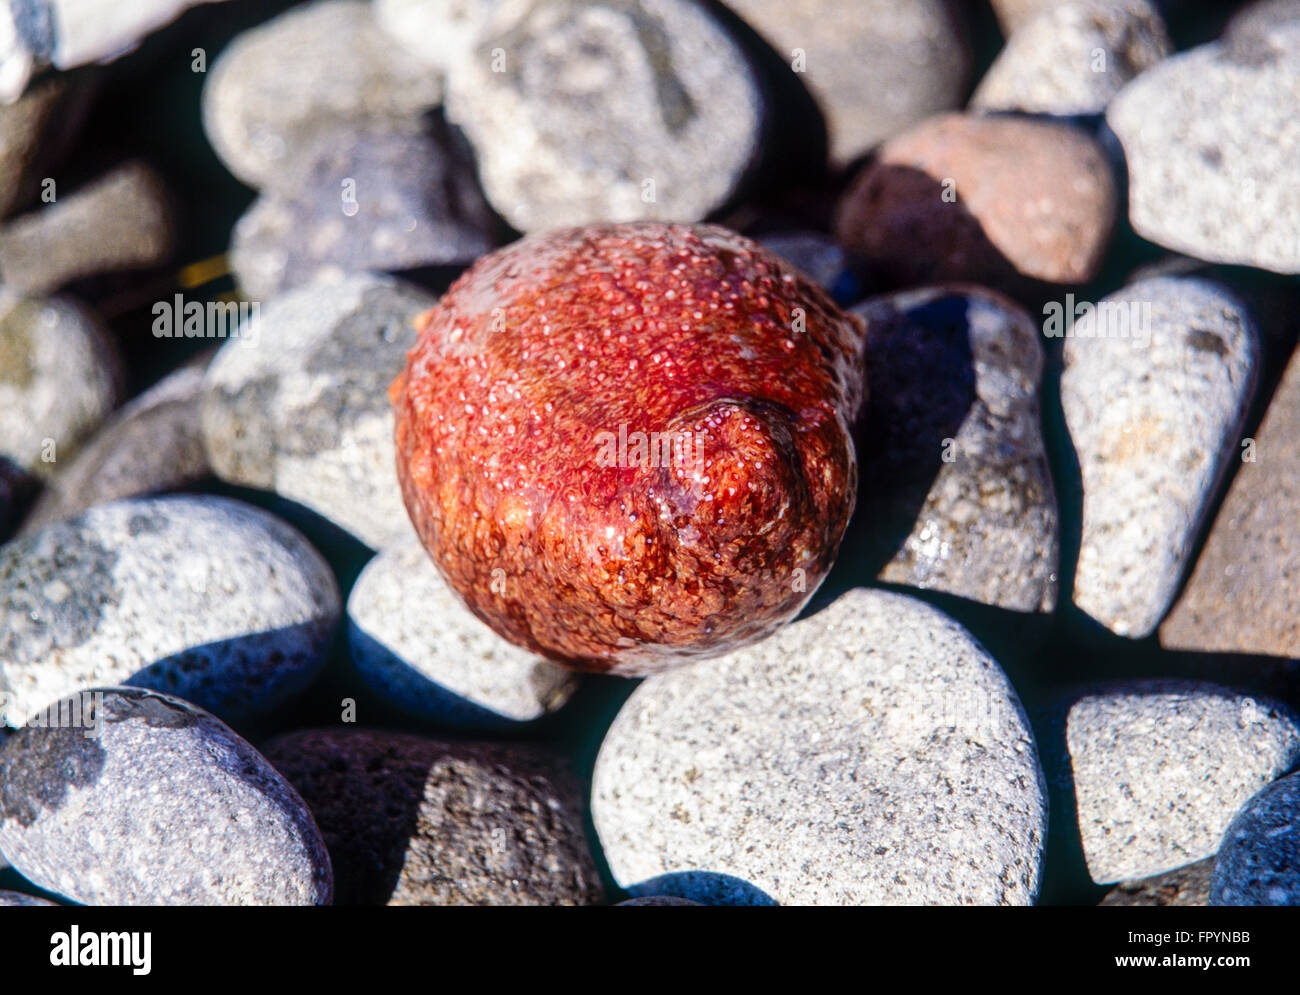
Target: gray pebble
x,y
152,444
1159,769
416,645
1154,416
1074,57
121,221
317,63
659,900
300,405
912,58
155,802
59,378
381,195
620,111
1187,886
202,597
413,821
1259,862
1211,139
954,483
440,33
15,899
873,753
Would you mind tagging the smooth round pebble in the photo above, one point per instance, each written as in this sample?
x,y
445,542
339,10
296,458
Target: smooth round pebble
x,y
1259,862
152,801
953,482
299,406
378,195
15,899
659,900
1159,768
318,62
414,821
1156,382
581,112
873,753
442,33
416,645
209,599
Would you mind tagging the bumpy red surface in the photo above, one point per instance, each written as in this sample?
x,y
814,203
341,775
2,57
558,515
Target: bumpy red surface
x,y
598,552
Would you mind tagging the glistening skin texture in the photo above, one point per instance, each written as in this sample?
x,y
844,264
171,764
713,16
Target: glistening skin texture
x,y
733,381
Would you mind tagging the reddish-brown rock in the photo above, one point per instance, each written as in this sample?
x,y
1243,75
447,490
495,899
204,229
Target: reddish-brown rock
x,y
995,200
628,446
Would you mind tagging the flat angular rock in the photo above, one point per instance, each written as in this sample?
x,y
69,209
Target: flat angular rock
x,y
1160,768
319,62
60,376
156,802
1259,862
1211,139
990,199
1072,58
385,195
872,753
912,58
300,406
417,646
201,597
954,485
414,821
122,221
580,112
152,444
1243,595
1154,416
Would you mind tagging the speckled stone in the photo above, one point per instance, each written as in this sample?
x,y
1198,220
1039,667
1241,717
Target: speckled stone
x,y
411,200
156,803
953,477
912,58
152,444
300,405
318,62
1160,768
1259,862
621,111
413,821
659,900
442,33
1211,138
59,378
15,899
873,753
416,645
1186,886
202,597
1243,596
1154,417
122,221
1072,58
989,199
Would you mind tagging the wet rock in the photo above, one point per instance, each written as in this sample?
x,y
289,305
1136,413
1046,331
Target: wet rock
x,y
317,63
1244,594
1156,382
821,766
413,821
912,58
579,112
300,407
152,444
122,221
954,485
1072,58
384,195
995,200
1259,863
416,645
155,802
202,597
